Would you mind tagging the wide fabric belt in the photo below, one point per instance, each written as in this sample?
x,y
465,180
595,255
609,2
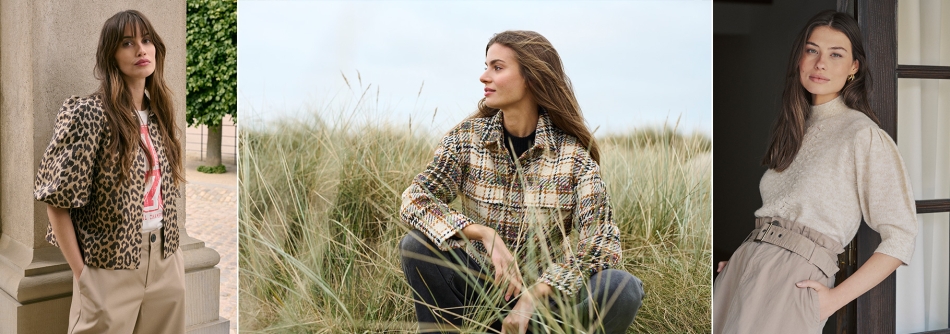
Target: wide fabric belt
x,y
772,232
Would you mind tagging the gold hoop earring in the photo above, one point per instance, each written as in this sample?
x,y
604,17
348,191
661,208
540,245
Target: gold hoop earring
x,y
851,78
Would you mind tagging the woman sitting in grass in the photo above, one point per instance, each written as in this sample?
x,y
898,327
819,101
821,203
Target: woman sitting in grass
x,y
525,168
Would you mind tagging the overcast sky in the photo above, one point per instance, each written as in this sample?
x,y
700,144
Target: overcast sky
x,y
633,63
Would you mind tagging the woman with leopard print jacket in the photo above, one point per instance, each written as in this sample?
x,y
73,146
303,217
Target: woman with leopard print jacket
x,y
110,177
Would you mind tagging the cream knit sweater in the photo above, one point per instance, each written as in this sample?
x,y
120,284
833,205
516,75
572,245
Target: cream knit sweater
x,y
846,169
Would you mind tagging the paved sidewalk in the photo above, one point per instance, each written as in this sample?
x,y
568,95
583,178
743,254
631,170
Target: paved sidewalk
x,y
211,216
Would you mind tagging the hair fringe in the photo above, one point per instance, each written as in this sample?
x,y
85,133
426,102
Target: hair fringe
x,y
117,99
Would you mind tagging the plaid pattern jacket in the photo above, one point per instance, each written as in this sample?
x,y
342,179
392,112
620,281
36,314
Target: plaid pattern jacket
x,y
534,204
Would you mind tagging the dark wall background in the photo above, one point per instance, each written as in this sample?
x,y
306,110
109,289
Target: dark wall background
x,y
751,46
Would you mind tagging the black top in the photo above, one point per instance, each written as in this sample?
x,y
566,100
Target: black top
x,y
521,144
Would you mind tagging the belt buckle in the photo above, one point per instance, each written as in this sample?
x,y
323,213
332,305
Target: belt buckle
x,y
763,232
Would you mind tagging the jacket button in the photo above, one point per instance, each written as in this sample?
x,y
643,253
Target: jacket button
x,y
153,238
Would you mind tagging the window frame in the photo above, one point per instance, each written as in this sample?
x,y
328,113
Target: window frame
x,y
874,311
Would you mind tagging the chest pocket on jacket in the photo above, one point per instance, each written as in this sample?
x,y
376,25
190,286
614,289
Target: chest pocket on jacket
x,y
550,201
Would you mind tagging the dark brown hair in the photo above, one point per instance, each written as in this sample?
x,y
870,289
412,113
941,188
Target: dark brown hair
x,y
789,129
117,100
544,76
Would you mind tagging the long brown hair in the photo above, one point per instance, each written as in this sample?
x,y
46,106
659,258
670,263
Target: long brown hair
x,y
117,100
544,75
789,130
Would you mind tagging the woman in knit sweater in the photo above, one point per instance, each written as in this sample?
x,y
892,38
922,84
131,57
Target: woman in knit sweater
x,y
525,170
830,165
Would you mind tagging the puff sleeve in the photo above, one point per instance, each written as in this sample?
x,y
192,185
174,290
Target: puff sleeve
x,y
884,193
64,177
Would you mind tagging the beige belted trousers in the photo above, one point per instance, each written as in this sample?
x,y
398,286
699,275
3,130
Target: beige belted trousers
x,y
150,299
756,291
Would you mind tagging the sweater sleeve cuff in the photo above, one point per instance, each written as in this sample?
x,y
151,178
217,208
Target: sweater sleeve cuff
x,y
898,244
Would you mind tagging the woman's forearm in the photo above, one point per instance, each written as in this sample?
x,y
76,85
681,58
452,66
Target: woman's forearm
x,y
477,232
66,237
485,234
869,275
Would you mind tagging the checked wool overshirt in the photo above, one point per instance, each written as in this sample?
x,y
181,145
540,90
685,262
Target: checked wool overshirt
x,y
534,204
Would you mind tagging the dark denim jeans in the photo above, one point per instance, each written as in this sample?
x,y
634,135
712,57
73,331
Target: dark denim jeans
x,y
435,278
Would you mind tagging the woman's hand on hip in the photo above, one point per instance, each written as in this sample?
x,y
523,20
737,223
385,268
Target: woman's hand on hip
x,y
722,264
828,301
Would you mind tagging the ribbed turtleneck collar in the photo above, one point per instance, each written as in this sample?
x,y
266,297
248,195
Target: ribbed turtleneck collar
x,y
828,109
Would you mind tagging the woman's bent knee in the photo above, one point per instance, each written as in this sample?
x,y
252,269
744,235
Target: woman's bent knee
x,y
415,248
414,242
617,285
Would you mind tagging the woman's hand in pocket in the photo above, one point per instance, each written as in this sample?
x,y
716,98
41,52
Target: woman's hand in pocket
x,y
828,301
870,274
76,273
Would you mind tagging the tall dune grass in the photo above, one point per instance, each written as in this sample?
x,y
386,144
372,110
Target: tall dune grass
x,y
320,228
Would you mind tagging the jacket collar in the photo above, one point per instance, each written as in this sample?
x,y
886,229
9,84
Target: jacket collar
x,y
544,135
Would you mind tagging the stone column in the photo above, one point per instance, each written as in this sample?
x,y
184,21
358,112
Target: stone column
x,y
47,53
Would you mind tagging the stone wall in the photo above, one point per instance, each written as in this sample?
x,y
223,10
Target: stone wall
x,y
47,53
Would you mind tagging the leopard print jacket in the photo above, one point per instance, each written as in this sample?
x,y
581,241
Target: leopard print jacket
x,y
107,214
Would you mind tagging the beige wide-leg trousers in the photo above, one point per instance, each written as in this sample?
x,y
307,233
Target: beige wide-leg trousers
x,y
150,299
756,291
